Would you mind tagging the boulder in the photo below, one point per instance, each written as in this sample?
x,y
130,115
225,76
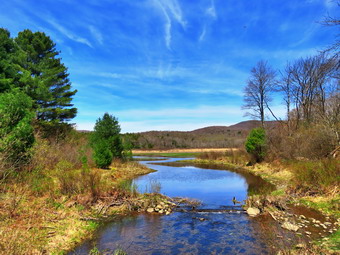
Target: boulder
x,y
150,210
290,226
252,211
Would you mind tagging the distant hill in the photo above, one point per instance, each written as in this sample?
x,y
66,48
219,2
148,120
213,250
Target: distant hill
x,y
244,125
208,137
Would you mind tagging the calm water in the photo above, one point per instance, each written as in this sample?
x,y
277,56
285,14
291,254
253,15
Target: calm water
x,y
191,232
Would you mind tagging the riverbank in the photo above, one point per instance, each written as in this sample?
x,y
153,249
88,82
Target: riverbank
x,y
294,186
50,212
282,177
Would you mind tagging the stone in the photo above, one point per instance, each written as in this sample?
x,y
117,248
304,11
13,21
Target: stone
x,y
290,226
324,226
252,211
299,246
302,216
161,211
167,213
308,233
150,210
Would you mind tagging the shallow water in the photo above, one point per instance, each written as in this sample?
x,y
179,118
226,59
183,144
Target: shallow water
x,y
191,232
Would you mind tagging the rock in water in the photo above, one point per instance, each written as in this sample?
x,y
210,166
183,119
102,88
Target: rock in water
x,y
252,211
290,226
150,210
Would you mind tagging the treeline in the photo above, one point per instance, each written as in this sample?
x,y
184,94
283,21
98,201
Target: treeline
x,y
226,138
309,87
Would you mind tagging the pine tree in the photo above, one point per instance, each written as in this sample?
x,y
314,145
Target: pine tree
x,y
16,131
106,141
7,69
48,83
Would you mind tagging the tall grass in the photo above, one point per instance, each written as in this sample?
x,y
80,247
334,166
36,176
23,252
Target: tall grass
x,y
234,156
47,154
315,177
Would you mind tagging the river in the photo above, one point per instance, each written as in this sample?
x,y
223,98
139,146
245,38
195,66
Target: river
x,y
226,229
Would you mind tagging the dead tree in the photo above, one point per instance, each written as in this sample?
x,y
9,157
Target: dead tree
x,y
258,89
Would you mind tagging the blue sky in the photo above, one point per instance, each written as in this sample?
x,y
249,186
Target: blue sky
x,y
170,64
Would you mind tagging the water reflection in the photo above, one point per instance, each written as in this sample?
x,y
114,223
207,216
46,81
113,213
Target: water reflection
x,y
190,232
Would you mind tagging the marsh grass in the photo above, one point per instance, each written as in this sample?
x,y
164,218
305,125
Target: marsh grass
x,y
234,156
315,177
41,210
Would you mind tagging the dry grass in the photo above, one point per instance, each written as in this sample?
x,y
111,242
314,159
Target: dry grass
x,y
43,211
182,150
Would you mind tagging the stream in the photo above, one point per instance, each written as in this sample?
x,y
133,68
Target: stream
x,y
226,229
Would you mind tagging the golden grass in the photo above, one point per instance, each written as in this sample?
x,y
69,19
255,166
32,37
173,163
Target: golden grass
x,y
49,222
182,150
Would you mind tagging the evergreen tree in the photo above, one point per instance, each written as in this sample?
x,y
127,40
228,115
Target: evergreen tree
x,y
16,131
48,83
7,68
106,141
256,144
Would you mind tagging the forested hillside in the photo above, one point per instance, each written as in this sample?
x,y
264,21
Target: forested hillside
x,y
208,137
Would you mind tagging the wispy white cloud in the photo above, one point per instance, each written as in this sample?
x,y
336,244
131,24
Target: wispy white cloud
x,y
159,125
181,119
202,111
330,4
306,35
171,10
204,31
234,92
167,27
96,34
211,11
173,7
68,33
140,126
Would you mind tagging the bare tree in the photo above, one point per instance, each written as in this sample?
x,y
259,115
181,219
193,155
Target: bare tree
x,y
309,78
284,85
333,22
258,89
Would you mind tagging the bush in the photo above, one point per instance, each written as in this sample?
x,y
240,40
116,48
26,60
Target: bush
x,y
256,144
16,131
106,141
69,179
317,176
102,154
74,181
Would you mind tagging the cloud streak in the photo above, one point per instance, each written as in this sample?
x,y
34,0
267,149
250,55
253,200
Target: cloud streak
x,y
171,11
211,11
68,33
96,34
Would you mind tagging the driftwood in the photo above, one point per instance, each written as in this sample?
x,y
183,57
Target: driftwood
x,y
336,152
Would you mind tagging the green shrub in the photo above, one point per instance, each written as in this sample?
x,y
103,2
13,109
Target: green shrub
x,y
102,154
106,141
70,181
16,131
317,176
256,144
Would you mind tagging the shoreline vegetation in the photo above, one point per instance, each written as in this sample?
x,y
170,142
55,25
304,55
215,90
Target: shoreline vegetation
x,y
37,218
48,214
